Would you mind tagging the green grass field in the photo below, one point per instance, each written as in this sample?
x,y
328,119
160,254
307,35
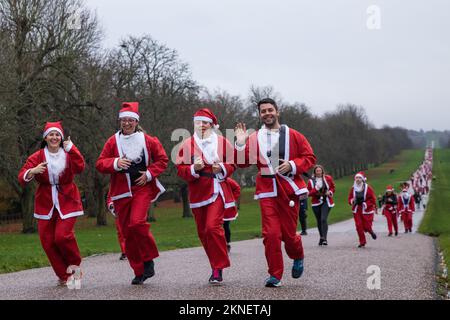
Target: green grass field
x,y
19,252
437,219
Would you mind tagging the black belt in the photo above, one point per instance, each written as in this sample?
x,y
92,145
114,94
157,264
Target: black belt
x,y
207,175
273,176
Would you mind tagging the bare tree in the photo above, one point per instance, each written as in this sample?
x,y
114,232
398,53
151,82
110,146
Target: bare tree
x,y
44,46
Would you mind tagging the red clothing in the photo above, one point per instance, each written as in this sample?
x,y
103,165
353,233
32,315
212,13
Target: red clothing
x,y
316,200
209,221
232,213
204,190
298,152
132,202
369,203
58,241
279,223
363,223
406,207
278,194
363,213
210,195
140,245
120,183
62,195
392,221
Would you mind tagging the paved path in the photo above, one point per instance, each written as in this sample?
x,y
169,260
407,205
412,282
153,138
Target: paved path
x,y
407,265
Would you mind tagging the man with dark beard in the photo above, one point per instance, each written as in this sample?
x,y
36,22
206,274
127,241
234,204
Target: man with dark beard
x,y
282,155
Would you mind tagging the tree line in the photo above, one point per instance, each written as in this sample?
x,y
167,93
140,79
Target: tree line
x,y
53,67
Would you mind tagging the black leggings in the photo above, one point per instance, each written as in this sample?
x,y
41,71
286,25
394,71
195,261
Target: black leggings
x,y
226,227
321,212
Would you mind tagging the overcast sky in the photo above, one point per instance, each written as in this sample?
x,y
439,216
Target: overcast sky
x,y
321,53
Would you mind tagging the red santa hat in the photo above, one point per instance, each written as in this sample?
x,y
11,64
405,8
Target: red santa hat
x,y
207,116
53,126
389,188
130,110
361,175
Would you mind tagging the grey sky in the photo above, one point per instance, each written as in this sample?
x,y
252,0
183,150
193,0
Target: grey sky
x,y
320,53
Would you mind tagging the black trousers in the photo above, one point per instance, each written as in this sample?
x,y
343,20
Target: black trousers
x,y
302,214
321,212
226,228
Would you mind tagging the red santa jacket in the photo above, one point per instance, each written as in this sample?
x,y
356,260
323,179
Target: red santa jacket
x,y
120,185
298,152
205,187
406,206
232,213
64,196
370,200
316,199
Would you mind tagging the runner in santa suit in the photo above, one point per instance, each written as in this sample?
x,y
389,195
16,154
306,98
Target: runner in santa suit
x,y
321,189
120,237
205,162
389,209
57,202
363,200
406,208
231,214
134,160
282,155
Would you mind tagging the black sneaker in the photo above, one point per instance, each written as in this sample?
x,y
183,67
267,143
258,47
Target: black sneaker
x,y
374,236
320,242
304,233
216,277
228,247
325,243
396,233
361,246
390,234
138,280
123,256
149,270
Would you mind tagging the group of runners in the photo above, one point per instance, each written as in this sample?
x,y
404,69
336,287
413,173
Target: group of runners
x,y
206,162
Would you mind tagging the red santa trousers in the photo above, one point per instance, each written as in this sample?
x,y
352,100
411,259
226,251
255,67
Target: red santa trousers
x,y
391,218
140,245
120,236
58,241
209,220
363,223
279,223
407,220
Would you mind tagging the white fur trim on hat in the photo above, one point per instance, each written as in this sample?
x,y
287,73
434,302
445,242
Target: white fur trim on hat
x,y
361,176
129,114
52,129
206,119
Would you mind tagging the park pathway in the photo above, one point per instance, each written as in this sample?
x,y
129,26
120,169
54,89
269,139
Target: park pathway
x,y
339,271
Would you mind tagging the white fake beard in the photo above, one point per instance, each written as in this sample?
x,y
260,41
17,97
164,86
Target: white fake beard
x,y
358,188
57,162
132,147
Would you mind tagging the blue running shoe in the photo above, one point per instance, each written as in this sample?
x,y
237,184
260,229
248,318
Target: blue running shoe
x,y
273,282
297,268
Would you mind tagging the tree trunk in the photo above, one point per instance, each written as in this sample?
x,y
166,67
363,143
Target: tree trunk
x,y
27,205
176,194
101,207
91,205
185,197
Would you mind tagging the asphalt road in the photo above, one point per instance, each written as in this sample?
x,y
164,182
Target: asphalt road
x,y
339,271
